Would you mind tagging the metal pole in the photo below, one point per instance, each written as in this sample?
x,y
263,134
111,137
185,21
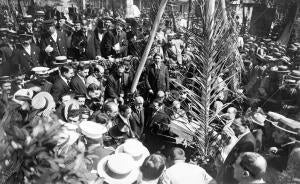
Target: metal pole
x,y
149,44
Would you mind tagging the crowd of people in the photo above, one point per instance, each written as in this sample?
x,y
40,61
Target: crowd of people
x,y
81,74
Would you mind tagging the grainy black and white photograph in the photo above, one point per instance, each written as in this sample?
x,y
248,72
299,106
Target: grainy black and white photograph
x,y
149,91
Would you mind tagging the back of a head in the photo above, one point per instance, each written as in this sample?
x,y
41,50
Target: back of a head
x,y
176,154
254,163
65,69
110,106
153,167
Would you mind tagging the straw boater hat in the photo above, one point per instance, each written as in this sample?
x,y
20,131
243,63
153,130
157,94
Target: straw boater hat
x,y
41,71
118,169
92,129
61,60
282,69
23,95
134,148
295,74
285,124
44,102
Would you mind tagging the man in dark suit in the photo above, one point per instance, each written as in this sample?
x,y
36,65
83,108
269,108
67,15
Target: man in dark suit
x,y
116,84
137,120
107,44
26,56
157,76
54,42
246,143
61,85
78,82
121,40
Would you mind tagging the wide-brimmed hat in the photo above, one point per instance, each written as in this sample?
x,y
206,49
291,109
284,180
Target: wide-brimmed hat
x,y
118,169
92,129
282,69
5,79
39,13
40,70
44,102
285,60
61,60
283,123
25,36
23,95
27,18
258,118
134,148
295,74
50,22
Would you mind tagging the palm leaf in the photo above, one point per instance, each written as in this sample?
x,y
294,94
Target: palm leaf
x,y
214,40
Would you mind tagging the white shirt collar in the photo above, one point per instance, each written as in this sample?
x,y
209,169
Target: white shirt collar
x,y
64,79
28,49
83,80
54,36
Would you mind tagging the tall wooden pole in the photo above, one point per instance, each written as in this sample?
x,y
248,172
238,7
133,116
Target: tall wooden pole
x,y
149,44
189,14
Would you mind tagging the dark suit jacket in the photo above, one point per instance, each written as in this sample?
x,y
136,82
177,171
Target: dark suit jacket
x,y
245,144
93,44
106,46
137,122
59,46
114,87
77,85
157,80
20,58
59,88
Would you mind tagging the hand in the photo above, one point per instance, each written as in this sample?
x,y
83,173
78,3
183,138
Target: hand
x,y
151,91
273,150
98,57
48,49
285,106
228,131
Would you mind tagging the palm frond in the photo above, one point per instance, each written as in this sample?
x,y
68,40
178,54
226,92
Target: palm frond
x,y
214,40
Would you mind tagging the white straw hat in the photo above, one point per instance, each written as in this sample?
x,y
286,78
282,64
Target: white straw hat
x,y
118,169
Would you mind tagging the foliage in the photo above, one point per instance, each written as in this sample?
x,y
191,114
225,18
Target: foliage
x,y
31,155
213,73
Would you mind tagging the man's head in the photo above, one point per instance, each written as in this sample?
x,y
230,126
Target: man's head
x,y
239,126
125,111
157,59
93,91
99,71
120,70
61,22
111,109
83,70
67,72
139,103
77,26
80,99
176,154
153,167
51,28
157,105
6,86
249,166
25,39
